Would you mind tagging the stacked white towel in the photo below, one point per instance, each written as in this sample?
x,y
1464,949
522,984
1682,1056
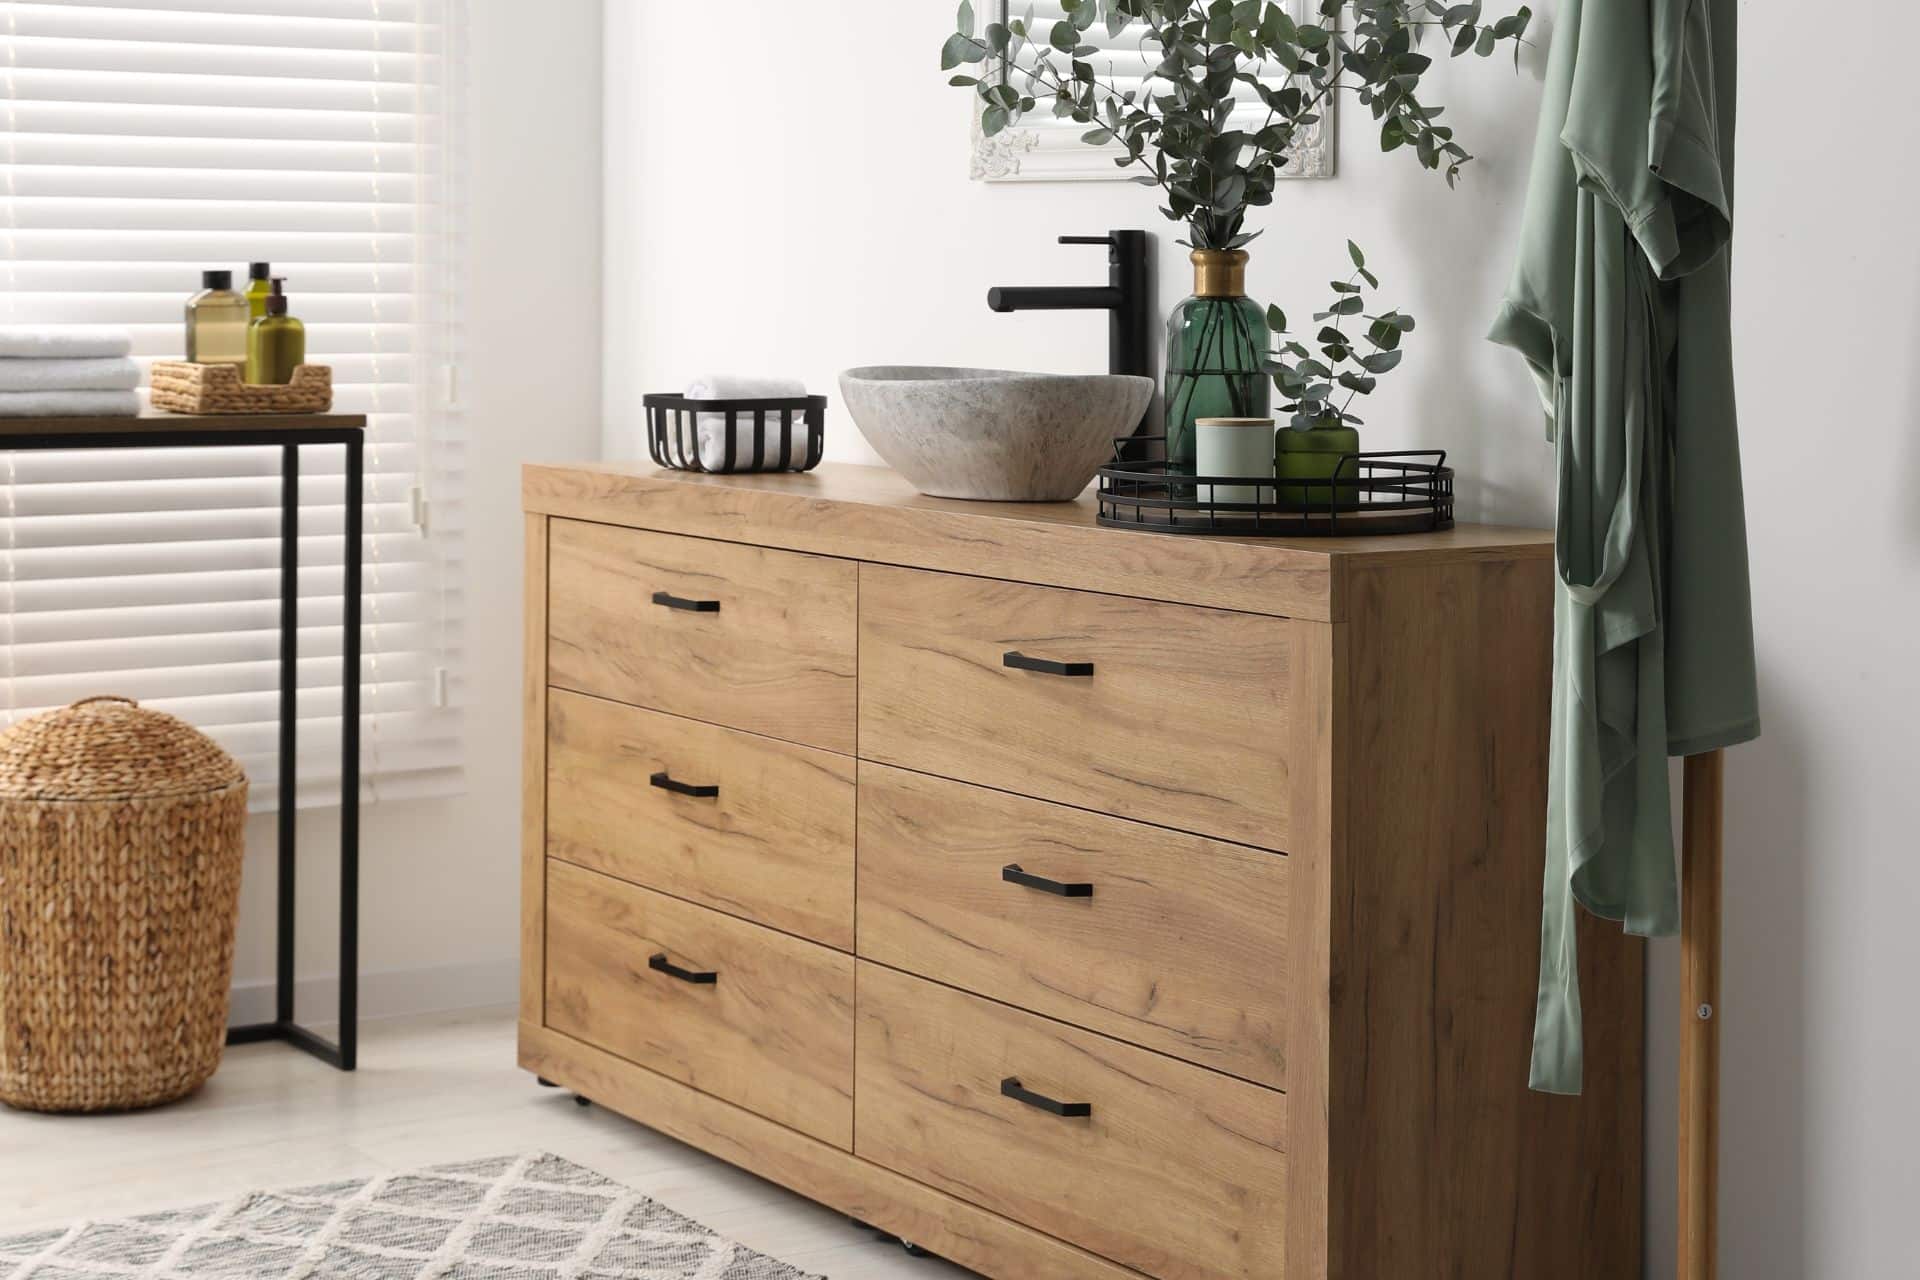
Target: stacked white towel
x,y
712,427
72,371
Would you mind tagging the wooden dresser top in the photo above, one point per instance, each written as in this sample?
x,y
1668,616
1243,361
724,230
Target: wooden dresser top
x,y
871,513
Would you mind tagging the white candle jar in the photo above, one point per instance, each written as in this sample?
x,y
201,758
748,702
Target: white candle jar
x,y
1241,447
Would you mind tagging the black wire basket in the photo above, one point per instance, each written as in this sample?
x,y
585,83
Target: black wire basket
x,y
731,436
1407,491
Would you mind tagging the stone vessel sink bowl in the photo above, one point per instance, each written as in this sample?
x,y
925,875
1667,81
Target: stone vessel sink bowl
x,y
993,434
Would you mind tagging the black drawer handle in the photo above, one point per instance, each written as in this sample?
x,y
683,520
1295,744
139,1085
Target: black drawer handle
x,y
1012,874
661,964
667,782
1010,1088
1047,666
672,601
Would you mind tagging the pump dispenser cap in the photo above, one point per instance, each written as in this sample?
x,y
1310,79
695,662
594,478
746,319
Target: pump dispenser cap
x,y
258,270
277,297
216,279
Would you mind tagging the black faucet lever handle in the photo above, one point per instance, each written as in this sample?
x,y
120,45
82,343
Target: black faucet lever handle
x,y
1106,240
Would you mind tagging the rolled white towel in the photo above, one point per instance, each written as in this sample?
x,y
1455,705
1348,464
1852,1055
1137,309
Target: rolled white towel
x,y
78,373
69,404
712,427
44,342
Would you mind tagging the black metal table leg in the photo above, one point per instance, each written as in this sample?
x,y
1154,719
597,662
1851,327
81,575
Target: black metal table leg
x,y
289,725
350,768
345,1052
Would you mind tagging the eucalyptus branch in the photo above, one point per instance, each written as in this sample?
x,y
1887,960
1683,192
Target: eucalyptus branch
x,y
1210,172
1307,381
1059,86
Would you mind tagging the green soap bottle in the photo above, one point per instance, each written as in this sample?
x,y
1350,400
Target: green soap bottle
x,y
258,289
276,342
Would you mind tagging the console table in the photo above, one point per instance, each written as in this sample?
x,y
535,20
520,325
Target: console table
x,y
291,433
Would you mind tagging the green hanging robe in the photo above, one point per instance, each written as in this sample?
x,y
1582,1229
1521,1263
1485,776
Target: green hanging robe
x,y
1620,304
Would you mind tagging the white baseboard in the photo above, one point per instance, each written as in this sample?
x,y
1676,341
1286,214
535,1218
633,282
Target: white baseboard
x,y
385,994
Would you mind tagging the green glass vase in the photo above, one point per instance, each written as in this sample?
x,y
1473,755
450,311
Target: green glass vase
x,y
1216,350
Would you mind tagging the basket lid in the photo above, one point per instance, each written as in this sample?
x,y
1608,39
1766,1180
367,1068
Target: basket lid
x,y
110,748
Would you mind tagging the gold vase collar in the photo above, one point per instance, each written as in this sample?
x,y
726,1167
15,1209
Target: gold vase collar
x,y
1219,273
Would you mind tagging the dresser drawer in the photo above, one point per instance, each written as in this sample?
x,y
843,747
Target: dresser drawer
x,y
1167,940
773,843
737,1011
1176,1171
738,636
1182,720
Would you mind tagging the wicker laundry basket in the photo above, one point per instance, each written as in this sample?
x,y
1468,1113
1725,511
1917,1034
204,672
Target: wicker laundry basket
x,y
121,838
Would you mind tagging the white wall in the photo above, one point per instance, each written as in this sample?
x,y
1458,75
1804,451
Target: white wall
x,y
441,878
822,218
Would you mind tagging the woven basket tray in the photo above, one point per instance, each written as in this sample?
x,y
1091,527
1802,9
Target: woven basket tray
x,y
181,387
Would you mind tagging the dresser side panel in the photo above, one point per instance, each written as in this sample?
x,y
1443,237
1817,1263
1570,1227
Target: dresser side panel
x,y
1440,1150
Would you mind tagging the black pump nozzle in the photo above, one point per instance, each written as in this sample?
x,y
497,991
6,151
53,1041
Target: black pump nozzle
x,y
277,296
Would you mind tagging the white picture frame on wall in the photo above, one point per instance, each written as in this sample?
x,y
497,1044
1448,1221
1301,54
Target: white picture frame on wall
x,y
1043,148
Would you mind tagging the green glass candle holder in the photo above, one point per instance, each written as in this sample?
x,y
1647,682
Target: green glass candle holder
x,y
1314,453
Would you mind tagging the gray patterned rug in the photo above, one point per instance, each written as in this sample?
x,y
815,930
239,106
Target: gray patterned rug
x,y
531,1217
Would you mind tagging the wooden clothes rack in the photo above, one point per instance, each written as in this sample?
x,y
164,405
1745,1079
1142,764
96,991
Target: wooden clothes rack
x,y
1702,839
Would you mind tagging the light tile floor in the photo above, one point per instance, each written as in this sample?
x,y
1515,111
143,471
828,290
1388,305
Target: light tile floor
x,y
429,1090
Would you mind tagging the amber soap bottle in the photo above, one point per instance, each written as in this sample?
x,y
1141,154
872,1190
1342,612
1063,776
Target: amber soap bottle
x,y
217,321
276,342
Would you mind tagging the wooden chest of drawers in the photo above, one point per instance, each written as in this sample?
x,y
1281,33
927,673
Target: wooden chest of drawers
x,y
1074,902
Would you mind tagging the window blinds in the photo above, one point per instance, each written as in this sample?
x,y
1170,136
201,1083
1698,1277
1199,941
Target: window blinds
x,y
148,139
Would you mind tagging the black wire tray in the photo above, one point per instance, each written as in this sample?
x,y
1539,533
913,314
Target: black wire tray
x,y
1404,491
756,435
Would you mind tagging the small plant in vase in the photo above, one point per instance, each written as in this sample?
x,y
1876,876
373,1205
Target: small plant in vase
x,y
1183,127
1319,433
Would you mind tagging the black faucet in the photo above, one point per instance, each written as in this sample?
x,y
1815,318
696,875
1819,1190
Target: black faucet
x,y
1125,298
